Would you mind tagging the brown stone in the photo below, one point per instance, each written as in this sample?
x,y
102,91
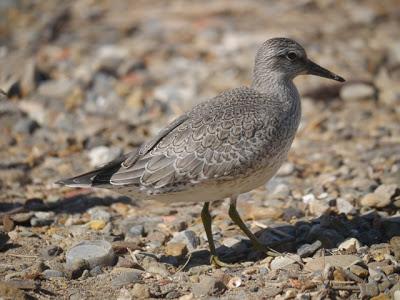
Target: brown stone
x,y
359,271
175,249
8,223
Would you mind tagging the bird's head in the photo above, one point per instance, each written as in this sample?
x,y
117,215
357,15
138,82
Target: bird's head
x,y
285,58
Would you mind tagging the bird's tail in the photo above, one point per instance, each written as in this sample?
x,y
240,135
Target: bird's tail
x,y
96,178
83,180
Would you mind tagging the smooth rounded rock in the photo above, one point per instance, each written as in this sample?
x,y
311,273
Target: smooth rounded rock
x,y
95,253
357,91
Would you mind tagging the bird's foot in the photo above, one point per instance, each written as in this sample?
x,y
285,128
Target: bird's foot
x,y
216,262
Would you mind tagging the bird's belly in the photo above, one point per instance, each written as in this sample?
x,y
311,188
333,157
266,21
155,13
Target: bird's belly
x,y
214,190
218,190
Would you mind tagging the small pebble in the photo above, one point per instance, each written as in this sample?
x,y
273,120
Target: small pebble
x,y
208,286
127,278
97,224
381,197
307,250
175,249
95,271
95,253
395,244
351,245
286,169
51,251
136,231
281,262
26,126
234,282
359,271
380,251
357,91
99,213
42,218
140,291
344,206
318,207
188,237
368,289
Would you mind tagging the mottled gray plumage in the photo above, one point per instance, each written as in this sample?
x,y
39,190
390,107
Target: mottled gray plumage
x,y
223,147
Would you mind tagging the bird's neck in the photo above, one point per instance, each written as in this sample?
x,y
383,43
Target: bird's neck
x,y
277,87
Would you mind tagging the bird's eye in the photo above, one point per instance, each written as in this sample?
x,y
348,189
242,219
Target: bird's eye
x,y
291,56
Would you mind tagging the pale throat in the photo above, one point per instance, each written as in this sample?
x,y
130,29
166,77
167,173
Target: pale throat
x,y
277,86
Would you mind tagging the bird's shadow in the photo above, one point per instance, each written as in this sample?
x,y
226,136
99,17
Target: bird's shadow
x,y
330,229
79,203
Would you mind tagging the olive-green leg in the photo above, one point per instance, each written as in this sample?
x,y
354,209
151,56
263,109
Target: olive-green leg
x,y
207,222
233,213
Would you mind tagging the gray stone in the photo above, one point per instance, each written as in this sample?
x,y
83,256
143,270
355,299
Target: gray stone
x,y
76,296
281,262
49,273
307,250
342,261
357,91
188,237
42,218
22,217
350,245
318,207
56,88
286,169
135,231
359,271
75,269
281,191
368,290
99,213
51,251
95,271
140,291
153,266
344,206
208,286
102,98
26,126
395,245
381,197
127,278
95,253
109,57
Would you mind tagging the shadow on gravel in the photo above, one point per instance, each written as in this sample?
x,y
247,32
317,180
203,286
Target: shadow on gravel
x,y
330,230
75,204
81,203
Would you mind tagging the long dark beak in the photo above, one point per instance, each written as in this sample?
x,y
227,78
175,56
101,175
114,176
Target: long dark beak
x,y
314,69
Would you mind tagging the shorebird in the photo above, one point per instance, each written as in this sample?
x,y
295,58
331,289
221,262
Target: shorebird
x,y
223,147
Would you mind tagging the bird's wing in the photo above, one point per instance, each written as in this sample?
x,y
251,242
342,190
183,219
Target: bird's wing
x,y
220,138
102,176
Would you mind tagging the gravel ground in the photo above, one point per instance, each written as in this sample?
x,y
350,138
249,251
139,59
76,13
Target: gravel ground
x,y
89,80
